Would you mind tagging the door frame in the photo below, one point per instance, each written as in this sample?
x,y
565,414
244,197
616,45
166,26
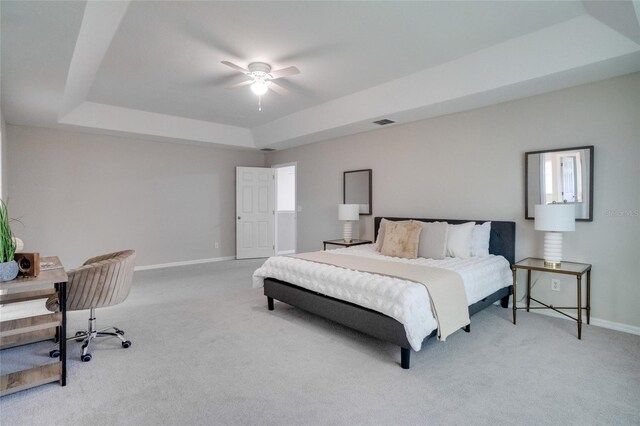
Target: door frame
x,y
295,210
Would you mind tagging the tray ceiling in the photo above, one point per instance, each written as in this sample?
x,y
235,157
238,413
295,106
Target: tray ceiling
x,y
153,69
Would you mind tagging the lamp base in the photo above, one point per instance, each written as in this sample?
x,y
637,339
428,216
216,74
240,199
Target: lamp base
x,y
347,231
552,249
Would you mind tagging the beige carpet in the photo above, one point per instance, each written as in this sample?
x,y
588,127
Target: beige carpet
x,y
207,351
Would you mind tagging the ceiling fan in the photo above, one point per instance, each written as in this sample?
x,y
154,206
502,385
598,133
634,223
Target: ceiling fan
x,y
261,78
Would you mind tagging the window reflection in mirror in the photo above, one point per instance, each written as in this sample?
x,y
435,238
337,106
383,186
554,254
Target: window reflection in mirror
x,y
560,176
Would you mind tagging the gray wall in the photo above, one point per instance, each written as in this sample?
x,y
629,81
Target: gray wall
x,y
3,159
471,165
286,236
80,195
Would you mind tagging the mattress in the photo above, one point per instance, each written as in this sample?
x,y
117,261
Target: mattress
x,y
405,301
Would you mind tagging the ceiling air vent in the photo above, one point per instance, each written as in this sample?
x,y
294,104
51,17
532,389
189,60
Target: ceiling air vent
x,y
384,121
267,149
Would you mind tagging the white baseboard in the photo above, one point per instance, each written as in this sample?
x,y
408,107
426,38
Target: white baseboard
x,y
611,325
183,263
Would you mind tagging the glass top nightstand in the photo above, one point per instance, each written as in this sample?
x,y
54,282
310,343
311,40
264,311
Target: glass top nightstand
x,y
567,268
343,243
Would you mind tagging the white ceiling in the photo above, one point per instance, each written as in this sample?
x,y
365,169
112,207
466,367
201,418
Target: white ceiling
x,y
153,68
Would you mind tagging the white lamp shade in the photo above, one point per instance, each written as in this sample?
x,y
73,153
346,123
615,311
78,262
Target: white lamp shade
x,y
19,244
348,211
555,217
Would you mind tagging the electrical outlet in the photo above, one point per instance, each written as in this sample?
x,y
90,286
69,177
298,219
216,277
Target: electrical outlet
x,y
217,245
555,284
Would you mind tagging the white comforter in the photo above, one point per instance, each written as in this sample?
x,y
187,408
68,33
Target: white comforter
x,y
405,301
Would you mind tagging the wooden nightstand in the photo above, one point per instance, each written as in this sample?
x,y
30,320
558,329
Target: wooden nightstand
x,y
343,243
567,268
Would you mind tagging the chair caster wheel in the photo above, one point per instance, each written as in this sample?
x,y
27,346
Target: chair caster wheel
x,y
126,344
78,334
85,358
55,353
120,332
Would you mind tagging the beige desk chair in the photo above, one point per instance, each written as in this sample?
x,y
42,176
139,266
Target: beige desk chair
x,y
101,281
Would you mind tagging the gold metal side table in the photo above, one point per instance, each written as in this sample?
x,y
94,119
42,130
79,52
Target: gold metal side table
x,y
567,268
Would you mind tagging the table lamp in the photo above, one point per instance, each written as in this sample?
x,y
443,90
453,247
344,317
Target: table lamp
x,y
19,244
554,219
348,213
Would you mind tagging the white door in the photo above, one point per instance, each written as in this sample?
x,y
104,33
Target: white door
x,y
254,212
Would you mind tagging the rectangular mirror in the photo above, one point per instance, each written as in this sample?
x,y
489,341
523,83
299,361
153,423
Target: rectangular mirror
x,y
560,176
357,189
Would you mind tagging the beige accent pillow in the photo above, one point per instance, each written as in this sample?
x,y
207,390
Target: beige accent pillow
x,y
433,240
401,239
381,231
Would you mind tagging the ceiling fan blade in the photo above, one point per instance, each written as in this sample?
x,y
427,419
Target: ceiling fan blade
x,y
278,88
235,86
236,67
284,72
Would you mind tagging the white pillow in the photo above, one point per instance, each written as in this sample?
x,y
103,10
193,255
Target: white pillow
x,y
459,240
433,240
480,240
380,238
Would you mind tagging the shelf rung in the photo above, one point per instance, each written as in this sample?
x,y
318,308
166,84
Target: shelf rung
x,y
26,338
26,295
29,324
14,382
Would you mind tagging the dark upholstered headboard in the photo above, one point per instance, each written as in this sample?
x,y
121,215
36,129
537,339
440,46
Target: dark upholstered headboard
x,y
502,241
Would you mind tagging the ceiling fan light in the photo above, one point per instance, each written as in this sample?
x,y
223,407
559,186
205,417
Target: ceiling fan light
x,y
260,87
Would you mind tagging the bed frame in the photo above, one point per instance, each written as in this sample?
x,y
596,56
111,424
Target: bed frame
x,y
373,323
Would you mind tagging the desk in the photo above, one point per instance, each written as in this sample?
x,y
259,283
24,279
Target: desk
x,y
343,243
568,268
32,329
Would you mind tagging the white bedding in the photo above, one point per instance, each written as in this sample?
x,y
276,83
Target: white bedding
x,y
405,301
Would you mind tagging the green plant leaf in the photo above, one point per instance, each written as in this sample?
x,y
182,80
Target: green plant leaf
x,y
7,243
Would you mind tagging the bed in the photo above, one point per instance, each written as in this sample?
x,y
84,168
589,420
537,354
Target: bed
x,y
371,321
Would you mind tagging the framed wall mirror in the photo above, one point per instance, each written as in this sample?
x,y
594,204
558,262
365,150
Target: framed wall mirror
x,y
357,189
560,176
